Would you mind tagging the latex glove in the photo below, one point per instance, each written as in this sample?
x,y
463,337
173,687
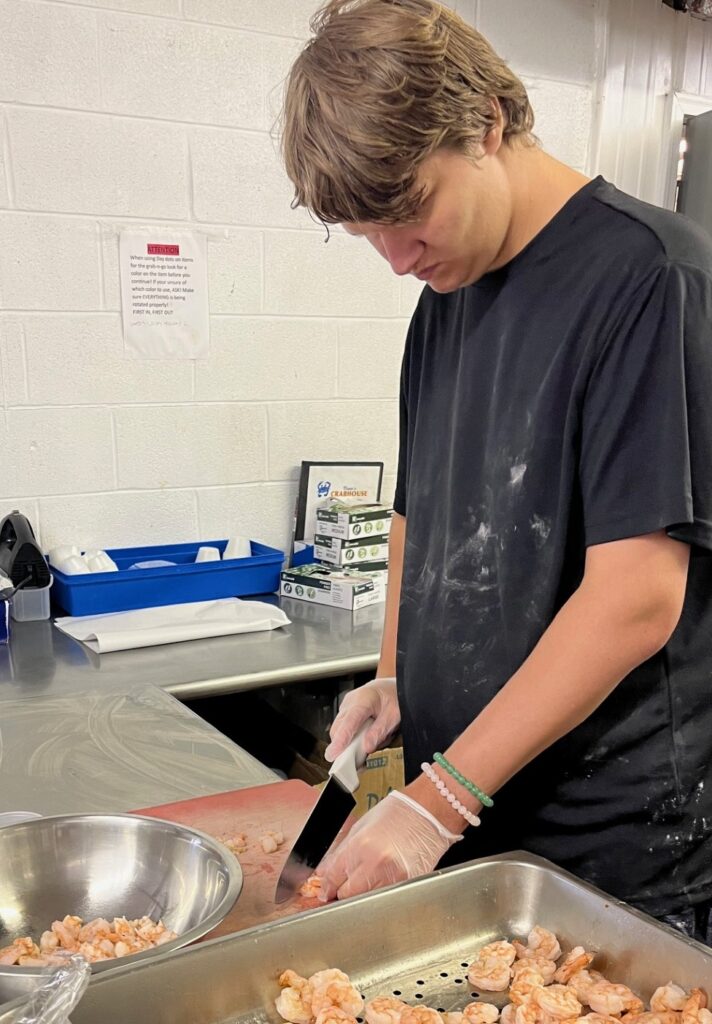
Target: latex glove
x,y
377,700
397,839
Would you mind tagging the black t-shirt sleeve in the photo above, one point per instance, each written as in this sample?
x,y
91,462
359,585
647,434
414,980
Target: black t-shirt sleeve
x,y
646,426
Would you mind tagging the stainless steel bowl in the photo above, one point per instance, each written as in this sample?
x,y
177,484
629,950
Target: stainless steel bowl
x,y
109,865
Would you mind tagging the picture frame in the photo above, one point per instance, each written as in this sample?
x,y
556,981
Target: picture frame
x,y
321,482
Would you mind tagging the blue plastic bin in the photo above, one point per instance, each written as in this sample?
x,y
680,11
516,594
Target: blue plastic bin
x,y
187,580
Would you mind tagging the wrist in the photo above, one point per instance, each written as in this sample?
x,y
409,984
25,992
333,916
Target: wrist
x,y
425,793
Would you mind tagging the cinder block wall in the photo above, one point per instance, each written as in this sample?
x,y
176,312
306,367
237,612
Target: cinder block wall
x,y
158,112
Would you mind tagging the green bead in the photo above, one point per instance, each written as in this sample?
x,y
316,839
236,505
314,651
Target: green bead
x,y
485,800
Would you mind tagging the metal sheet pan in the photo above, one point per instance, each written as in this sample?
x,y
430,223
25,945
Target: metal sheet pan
x,y
415,939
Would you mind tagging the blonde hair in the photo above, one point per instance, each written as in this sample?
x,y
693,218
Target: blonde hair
x,y
379,87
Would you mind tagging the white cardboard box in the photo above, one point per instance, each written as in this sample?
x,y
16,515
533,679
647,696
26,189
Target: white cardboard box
x,y
337,551
353,522
325,584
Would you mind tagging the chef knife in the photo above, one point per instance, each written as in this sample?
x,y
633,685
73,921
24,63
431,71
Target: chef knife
x,y
335,803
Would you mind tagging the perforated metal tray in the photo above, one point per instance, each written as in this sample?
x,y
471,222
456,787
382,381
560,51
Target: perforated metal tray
x,y
414,940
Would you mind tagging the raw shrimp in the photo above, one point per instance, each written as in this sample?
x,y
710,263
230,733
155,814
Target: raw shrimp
x,y
577,960
420,1015
546,968
480,1013
557,1001
540,942
333,1015
489,975
668,997
384,1010
333,988
613,999
582,982
453,1016
694,1011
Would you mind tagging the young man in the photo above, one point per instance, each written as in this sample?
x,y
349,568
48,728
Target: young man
x,y
551,575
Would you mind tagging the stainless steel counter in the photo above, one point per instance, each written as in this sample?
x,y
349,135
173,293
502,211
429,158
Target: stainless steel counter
x,y
85,732
320,642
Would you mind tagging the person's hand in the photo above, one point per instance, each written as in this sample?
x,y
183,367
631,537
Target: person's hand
x,y
395,840
377,700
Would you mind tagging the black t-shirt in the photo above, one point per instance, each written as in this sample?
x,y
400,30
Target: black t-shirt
x,y
562,401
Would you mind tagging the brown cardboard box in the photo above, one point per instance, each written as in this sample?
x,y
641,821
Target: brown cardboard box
x,y
383,772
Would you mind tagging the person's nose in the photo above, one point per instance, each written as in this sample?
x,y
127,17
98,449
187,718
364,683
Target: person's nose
x,y
403,254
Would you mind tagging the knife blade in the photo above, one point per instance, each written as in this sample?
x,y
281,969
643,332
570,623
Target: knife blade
x,y
335,803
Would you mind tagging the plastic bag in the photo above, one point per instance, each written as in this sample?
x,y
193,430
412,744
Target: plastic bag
x,y
55,998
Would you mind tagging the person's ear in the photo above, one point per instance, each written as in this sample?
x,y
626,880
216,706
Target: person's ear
x,y
493,139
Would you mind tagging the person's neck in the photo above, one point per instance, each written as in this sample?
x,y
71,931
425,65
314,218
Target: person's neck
x,y
540,187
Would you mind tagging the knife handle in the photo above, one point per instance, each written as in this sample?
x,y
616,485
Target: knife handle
x,y
345,767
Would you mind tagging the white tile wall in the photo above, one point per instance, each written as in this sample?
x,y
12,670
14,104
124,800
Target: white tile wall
x,y
563,113
370,354
73,360
180,71
59,252
48,55
4,189
13,374
121,112
307,276
57,451
345,430
238,179
549,38
271,16
97,163
268,359
190,445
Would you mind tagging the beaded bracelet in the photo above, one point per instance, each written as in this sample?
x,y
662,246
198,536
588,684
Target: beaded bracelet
x,y
485,800
469,817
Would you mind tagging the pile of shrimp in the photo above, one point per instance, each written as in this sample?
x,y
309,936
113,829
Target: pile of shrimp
x,y
96,940
543,987
270,841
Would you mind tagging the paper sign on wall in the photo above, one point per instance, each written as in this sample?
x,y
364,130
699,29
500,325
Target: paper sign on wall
x,y
164,294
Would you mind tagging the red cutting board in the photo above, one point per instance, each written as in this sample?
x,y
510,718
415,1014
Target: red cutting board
x,y
277,806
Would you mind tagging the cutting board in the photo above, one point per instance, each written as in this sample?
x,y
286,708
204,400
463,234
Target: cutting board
x,y
277,806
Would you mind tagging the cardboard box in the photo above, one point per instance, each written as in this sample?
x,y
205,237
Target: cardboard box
x,y
323,584
377,569
353,522
383,772
338,551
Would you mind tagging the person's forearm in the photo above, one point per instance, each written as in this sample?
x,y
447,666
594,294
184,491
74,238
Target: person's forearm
x,y
598,637
396,543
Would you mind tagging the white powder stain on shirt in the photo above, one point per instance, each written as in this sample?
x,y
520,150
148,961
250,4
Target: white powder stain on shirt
x,y
541,528
516,473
